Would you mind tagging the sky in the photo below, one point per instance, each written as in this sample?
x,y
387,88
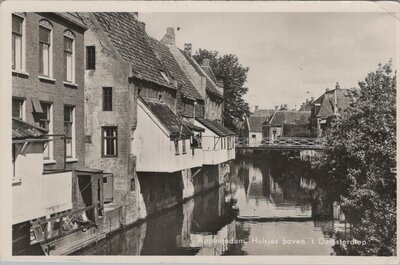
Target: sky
x,y
291,56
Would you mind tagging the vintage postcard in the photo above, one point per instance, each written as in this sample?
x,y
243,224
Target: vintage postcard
x,y
251,132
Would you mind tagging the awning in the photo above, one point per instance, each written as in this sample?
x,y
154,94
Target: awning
x,y
37,107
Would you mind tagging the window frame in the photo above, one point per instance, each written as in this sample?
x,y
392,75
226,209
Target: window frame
x,y
49,110
183,146
73,136
22,109
91,57
70,36
103,138
176,144
22,49
46,25
107,99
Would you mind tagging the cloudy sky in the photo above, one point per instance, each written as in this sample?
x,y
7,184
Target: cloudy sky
x,y
291,56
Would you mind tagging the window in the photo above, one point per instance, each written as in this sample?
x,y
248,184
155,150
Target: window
x,y
109,141
107,98
69,61
183,146
90,57
69,130
45,49
18,108
44,121
176,142
17,43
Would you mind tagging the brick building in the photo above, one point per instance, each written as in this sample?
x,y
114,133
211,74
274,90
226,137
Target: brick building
x,y
48,81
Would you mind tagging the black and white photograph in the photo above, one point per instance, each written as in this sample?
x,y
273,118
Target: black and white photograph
x,y
209,132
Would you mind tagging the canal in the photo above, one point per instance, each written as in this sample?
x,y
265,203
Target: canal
x,y
264,208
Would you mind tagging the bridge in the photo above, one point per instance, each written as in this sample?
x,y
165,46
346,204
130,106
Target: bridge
x,y
282,143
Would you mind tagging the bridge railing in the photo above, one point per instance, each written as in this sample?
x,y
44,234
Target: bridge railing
x,y
281,141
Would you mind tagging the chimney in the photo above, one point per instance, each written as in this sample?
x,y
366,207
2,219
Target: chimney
x,y
188,49
337,85
327,90
205,62
276,108
135,15
255,108
142,25
312,99
169,37
286,106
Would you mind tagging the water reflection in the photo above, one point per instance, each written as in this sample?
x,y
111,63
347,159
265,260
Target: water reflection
x,y
264,208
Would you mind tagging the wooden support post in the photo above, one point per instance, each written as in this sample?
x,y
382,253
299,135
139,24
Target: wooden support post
x,y
95,202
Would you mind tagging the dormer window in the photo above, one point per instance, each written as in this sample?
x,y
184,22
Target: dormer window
x,y
165,77
45,48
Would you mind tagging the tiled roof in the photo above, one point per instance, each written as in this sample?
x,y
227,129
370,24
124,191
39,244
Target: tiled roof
x,y
174,69
255,123
24,130
263,113
192,127
211,87
167,117
130,40
215,127
327,100
293,117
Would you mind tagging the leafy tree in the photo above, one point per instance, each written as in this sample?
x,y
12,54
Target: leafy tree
x,y
227,68
359,160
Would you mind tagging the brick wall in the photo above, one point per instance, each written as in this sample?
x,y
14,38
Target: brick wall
x,y
55,92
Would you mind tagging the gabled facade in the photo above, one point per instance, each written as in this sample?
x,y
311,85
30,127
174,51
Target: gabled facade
x,y
120,65
327,107
254,127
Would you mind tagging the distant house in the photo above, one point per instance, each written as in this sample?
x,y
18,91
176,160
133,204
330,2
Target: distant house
x,y
327,107
254,128
274,128
251,128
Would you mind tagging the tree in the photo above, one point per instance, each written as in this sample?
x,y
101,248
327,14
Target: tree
x,y
227,68
359,160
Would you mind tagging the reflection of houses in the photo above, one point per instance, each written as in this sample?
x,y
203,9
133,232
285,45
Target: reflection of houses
x,y
327,107
48,91
274,128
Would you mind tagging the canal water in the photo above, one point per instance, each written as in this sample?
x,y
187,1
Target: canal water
x,y
264,208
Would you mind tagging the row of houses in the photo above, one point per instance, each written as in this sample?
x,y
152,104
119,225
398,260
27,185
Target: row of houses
x,y
109,126
315,118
